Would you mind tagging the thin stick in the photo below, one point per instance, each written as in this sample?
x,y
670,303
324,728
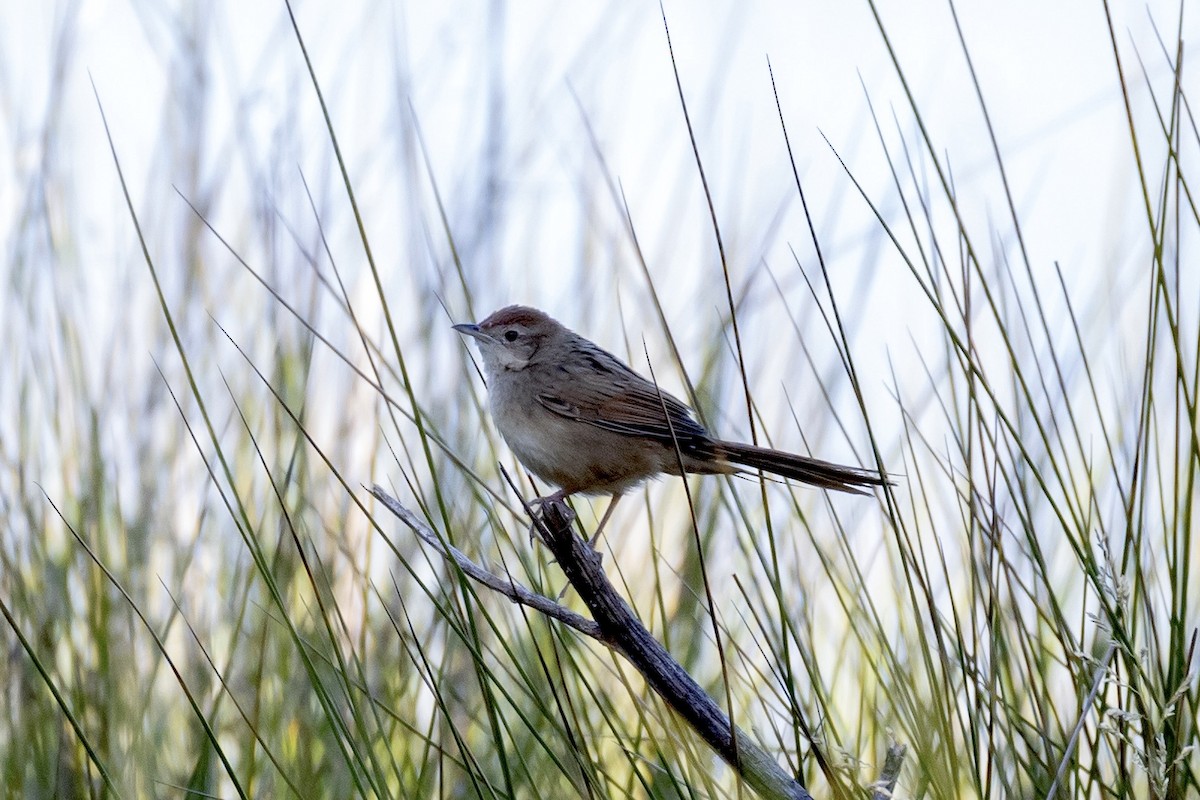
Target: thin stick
x,y
617,627
510,589
892,762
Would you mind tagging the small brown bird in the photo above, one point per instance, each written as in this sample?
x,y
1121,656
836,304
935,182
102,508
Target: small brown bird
x,y
578,417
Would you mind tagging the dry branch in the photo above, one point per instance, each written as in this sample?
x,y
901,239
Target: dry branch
x,y
616,626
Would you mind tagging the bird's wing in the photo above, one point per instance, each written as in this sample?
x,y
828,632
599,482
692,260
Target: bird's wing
x,y
602,391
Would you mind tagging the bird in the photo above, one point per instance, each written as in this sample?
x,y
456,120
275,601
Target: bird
x,y
579,418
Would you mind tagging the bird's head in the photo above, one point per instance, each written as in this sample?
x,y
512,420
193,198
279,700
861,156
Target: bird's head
x,y
510,338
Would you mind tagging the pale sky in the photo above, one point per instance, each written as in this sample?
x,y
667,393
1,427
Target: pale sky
x,y
213,98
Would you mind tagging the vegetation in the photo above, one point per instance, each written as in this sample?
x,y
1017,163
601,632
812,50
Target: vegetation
x,y
200,598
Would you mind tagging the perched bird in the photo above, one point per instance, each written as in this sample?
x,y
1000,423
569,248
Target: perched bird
x,y
577,417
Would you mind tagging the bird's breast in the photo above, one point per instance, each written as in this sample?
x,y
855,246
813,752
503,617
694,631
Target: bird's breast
x,y
572,455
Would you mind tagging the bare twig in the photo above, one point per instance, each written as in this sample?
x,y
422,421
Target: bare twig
x,y
617,627
510,589
892,762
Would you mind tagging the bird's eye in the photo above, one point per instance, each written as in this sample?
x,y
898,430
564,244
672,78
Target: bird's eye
x,y
510,336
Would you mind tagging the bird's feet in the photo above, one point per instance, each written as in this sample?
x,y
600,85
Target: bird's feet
x,y
550,510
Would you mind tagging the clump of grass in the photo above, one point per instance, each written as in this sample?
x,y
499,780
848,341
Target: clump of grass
x,y
199,596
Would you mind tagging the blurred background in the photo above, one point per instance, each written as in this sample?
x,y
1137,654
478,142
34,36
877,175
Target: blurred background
x,y
988,186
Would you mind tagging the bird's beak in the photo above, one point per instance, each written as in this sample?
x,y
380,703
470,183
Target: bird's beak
x,y
470,329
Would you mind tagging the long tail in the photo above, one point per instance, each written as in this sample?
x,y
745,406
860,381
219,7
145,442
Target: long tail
x,y
800,468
